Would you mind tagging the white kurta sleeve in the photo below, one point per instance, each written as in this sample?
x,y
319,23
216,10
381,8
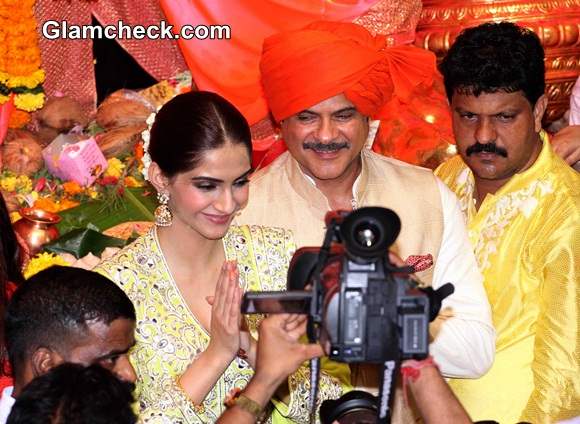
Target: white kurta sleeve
x,y
464,344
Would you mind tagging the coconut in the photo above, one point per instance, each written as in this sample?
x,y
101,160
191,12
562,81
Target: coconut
x,y
21,153
120,140
59,115
123,108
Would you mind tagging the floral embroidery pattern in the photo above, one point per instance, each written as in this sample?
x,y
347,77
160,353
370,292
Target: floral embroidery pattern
x,y
169,337
486,238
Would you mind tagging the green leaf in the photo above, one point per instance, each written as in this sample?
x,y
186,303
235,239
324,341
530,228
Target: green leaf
x,y
133,205
81,242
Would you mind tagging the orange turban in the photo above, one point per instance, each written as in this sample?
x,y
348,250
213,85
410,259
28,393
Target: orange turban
x,y
304,67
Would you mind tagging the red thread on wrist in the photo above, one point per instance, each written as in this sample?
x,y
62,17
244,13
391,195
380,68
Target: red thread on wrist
x,y
412,371
242,354
230,399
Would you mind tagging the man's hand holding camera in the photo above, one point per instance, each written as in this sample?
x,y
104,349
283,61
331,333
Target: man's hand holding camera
x,y
279,354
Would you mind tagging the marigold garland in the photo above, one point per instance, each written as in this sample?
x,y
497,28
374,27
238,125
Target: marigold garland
x,y
42,261
20,71
29,101
29,81
18,119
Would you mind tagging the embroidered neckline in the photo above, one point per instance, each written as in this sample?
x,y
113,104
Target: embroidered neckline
x,y
505,209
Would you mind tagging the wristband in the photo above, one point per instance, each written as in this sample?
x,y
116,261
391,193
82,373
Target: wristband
x,y
236,398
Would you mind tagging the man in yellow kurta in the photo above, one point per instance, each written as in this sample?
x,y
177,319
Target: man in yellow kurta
x,y
522,203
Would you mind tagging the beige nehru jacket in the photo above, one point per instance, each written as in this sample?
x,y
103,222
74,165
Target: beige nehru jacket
x,y
281,196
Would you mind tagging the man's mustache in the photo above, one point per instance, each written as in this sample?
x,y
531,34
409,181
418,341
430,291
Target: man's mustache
x,y
487,148
325,147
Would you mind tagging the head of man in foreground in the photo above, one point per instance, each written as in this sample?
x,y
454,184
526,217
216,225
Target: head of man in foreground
x,y
72,393
495,80
66,314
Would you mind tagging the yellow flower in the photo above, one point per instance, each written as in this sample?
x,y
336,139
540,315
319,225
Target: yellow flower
x,y
28,101
3,99
42,261
14,216
8,184
23,184
93,194
115,168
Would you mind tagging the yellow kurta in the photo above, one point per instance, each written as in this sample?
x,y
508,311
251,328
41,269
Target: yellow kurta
x,y
169,337
526,238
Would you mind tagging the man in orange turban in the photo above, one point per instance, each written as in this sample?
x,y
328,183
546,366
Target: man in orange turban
x,y
323,84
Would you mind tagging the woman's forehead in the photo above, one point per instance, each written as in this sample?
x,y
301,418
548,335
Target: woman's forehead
x,y
227,162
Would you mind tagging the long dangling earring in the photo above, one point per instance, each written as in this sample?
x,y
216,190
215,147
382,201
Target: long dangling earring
x,y
163,215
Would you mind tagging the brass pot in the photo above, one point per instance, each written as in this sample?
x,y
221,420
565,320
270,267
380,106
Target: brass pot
x,y
37,228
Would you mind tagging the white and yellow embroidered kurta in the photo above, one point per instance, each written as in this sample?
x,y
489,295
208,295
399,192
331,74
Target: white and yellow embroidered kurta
x,y
526,238
169,337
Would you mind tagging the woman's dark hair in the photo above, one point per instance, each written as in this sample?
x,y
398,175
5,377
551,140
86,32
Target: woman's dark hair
x,y
495,57
10,269
73,394
191,124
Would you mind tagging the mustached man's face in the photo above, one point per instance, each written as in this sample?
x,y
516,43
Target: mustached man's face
x,y
497,133
326,139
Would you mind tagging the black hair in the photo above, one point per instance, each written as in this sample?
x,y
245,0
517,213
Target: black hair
x,y
10,268
191,124
54,307
75,394
495,57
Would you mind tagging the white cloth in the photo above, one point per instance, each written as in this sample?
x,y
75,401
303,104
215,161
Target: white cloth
x,y
465,347
6,403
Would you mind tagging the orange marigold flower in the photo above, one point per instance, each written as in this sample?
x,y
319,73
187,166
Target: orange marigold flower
x,y
72,187
67,204
132,182
138,151
18,119
46,204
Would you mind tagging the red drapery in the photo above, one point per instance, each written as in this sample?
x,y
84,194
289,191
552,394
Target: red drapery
x,y
69,63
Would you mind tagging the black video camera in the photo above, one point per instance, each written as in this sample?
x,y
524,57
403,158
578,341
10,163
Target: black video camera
x,y
367,308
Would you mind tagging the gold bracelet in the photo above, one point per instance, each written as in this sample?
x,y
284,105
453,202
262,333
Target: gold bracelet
x,y
248,405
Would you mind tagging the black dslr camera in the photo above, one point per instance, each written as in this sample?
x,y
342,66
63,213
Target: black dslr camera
x,y
356,299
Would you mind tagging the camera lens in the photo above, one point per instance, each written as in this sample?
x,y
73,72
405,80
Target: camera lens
x,y
366,234
354,407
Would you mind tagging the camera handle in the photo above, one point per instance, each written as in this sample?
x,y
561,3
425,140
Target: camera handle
x,y
315,318
389,373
